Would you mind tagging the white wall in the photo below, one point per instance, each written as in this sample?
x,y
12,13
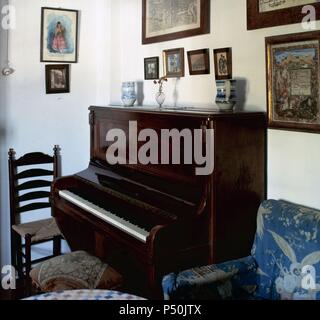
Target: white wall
x,y
293,161
30,120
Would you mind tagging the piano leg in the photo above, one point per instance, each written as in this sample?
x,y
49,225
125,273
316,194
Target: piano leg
x,y
154,283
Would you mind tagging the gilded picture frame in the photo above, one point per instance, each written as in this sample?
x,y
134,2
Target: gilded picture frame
x,y
173,63
166,20
293,81
270,13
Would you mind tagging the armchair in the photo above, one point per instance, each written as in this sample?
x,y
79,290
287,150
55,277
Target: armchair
x,y
284,262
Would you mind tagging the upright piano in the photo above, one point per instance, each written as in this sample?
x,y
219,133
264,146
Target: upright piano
x,y
148,220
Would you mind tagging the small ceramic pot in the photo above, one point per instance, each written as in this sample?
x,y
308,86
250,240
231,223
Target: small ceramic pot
x,y
128,93
226,94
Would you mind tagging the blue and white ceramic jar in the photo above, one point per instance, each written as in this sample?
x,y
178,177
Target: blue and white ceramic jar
x,y
128,93
226,94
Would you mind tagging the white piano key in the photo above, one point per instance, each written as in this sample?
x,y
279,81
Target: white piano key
x,y
126,226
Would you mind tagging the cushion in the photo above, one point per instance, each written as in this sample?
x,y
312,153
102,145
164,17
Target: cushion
x,y
76,270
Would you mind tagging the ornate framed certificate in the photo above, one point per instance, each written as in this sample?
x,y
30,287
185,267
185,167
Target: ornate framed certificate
x,y
293,76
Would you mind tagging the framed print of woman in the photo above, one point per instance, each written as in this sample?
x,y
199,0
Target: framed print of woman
x,y
59,33
223,65
59,41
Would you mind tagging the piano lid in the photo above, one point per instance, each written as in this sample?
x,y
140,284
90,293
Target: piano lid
x,y
153,191
205,111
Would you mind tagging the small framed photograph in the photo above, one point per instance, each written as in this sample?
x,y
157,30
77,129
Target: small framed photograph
x,y
59,35
293,69
57,78
223,63
151,68
173,61
199,62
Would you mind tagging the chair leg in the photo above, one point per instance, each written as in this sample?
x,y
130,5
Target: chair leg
x,y
16,254
57,246
20,263
28,264
14,248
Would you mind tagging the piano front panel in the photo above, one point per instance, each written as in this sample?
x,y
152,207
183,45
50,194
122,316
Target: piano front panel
x,y
109,119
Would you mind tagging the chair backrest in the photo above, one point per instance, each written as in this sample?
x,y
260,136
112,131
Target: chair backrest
x,y
287,251
30,178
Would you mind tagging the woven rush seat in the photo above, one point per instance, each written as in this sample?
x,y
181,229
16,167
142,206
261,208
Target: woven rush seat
x,y
38,230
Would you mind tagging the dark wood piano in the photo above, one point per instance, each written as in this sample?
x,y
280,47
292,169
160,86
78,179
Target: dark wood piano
x,y
148,220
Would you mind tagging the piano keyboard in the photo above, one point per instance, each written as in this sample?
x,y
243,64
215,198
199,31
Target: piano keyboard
x,y
116,221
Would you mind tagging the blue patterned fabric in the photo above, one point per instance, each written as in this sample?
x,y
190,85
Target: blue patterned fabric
x,y
85,295
287,251
284,263
221,281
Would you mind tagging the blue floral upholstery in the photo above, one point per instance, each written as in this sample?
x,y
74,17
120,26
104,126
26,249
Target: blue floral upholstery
x,y
284,262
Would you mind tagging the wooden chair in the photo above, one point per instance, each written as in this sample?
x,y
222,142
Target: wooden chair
x,y
30,191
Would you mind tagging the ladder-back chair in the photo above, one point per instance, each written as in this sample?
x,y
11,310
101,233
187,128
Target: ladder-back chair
x,y
30,180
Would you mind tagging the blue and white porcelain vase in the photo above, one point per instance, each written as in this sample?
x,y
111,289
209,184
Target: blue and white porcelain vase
x,y
226,94
128,93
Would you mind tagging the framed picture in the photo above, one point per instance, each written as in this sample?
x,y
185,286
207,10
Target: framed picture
x,y
57,78
173,61
199,62
223,63
171,19
59,35
293,81
151,68
270,13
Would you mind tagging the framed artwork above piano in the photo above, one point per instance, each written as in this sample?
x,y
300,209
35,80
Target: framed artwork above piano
x,y
149,220
271,13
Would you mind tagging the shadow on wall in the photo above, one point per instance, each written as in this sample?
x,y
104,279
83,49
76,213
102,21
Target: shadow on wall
x,y
241,91
176,92
140,94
